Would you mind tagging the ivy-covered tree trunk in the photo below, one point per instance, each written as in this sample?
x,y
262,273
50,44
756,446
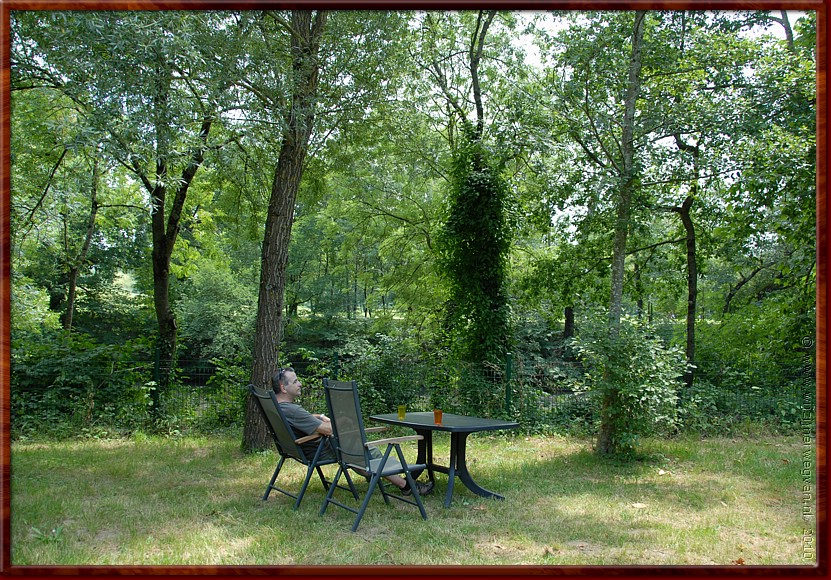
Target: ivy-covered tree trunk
x,y
476,243
476,239
306,31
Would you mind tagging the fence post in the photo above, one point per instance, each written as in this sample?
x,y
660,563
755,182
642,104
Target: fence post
x,y
509,369
155,393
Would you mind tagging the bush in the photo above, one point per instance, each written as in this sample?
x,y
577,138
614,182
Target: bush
x,y
701,409
225,394
388,373
637,377
64,383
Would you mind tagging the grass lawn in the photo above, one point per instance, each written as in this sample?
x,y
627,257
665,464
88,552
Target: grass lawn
x,y
196,501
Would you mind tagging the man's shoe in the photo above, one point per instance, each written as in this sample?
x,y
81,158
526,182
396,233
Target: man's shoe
x,y
423,488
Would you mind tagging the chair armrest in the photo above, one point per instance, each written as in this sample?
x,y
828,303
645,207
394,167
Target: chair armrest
x,y
375,429
378,442
311,437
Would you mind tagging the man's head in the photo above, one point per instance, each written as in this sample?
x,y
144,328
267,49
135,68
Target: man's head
x,y
286,385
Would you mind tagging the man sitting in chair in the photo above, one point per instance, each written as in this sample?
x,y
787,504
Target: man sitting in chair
x,y
287,387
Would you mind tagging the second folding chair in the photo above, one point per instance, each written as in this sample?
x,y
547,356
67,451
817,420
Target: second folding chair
x,y
354,451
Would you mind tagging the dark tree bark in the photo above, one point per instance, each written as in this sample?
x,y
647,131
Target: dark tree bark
x,y
692,285
164,234
568,328
306,29
683,212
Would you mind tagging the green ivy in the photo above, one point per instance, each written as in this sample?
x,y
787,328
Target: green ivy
x,y
475,243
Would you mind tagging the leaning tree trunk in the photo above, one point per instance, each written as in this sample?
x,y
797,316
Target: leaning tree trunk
x,y
306,32
165,219
607,436
683,212
165,232
75,268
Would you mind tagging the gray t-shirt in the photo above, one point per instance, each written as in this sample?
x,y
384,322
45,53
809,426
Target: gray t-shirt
x,y
304,423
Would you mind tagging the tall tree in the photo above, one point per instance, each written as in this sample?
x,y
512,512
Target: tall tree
x,y
148,81
476,238
627,179
67,202
333,68
305,29
607,437
83,252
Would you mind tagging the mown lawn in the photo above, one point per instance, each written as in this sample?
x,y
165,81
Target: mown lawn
x,y
196,501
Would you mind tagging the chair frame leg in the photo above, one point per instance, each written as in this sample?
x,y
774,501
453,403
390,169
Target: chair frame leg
x,y
330,494
351,485
411,482
374,481
274,478
311,469
302,491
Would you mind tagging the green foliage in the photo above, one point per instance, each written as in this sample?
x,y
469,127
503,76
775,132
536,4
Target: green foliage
x,y
759,347
574,413
217,309
65,383
389,372
30,308
475,242
366,236
636,374
710,409
225,394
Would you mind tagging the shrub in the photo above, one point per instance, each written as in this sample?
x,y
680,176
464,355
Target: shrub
x,y
225,394
388,373
63,383
637,377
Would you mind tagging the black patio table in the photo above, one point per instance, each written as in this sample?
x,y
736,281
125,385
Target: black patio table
x,y
459,427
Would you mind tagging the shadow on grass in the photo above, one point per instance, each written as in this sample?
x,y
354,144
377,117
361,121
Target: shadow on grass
x,y
564,504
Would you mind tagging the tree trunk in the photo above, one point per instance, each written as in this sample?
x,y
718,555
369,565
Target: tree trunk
x,y
627,177
568,328
306,32
568,332
692,268
638,290
165,224
607,443
606,438
692,287
82,255
165,233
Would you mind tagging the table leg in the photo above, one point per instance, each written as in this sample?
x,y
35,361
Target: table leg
x,y
459,460
451,472
425,454
428,441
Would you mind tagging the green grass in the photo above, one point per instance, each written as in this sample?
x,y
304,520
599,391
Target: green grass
x,y
196,501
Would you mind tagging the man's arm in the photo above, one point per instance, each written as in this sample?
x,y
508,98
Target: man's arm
x,y
325,427
304,422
